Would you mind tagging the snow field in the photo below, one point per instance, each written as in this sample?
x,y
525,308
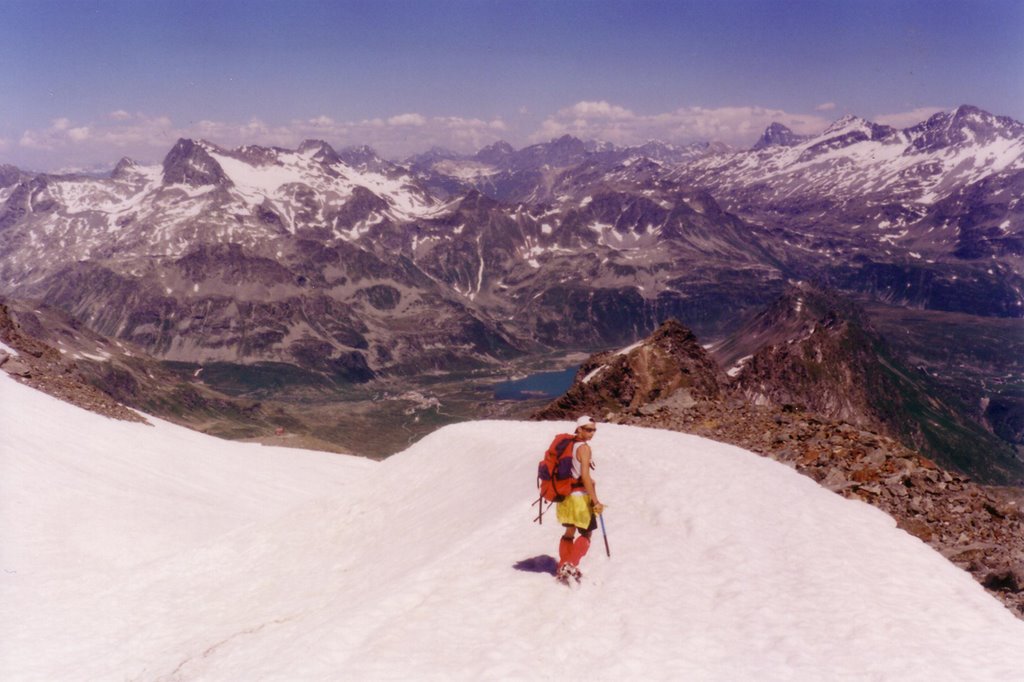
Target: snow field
x,y
724,566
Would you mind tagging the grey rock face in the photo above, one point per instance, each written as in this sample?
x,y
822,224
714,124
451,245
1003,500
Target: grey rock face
x,y
188,163
778,135
669,363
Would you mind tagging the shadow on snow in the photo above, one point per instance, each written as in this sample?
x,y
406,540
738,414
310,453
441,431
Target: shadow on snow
x,y
538,564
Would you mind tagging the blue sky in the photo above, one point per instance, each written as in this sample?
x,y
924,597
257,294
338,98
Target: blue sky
x,y
85,82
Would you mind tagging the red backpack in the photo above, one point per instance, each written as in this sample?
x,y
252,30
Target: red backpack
x,y
554,473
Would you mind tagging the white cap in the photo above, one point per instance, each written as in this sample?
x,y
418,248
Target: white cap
x,y
584,421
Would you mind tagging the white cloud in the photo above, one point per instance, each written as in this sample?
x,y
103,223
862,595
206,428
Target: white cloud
x,y
407,120
826,106
32,140
79,134
735,125
147,137
602,109
910,118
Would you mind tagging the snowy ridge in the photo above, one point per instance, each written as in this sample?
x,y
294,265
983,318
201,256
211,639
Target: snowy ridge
x,y
141,211
407,569
854,157
255,183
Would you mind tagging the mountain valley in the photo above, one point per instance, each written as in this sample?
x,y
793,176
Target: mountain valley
x,y
342,291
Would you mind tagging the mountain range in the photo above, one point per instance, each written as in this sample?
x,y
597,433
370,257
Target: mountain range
x,y
291,269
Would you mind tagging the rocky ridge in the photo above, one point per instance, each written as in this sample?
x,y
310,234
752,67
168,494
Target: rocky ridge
x,y
812,350
43,367
54,353
979,528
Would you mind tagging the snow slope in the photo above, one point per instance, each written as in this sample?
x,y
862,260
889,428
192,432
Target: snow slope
x,y
285,565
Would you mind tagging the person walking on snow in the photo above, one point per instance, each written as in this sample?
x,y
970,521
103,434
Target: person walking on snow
x,y
579,510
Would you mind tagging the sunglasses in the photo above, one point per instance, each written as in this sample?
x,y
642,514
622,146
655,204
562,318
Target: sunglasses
x,y
588,428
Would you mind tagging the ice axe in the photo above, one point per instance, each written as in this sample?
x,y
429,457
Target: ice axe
x,y
600,517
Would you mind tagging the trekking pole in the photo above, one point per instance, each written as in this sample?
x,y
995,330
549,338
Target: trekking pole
x,y
541,509
600,517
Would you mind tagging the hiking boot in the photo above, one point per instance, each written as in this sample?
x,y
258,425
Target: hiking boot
x,y
569,572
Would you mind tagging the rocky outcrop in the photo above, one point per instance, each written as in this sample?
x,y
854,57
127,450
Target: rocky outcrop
x,y
43,367
188,163
109,377
778,135
669,366
816,350
967,124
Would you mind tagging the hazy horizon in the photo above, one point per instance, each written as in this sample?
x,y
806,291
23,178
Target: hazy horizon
x,y
87,83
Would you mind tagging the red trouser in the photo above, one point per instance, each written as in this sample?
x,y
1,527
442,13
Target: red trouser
x,y
570,551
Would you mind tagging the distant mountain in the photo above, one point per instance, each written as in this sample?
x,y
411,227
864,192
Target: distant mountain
x,y
248,255
870,188
347,267
58,355
819,352
810,351
778,135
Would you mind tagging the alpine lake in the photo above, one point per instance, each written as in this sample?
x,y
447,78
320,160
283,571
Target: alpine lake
x,y
388,414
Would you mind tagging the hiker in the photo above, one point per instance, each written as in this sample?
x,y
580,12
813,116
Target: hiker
x,y
579,509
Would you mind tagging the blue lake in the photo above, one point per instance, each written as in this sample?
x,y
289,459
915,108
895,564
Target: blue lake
x,y
539,385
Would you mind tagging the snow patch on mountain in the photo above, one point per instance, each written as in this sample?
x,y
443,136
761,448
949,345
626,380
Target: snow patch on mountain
x,y
855,158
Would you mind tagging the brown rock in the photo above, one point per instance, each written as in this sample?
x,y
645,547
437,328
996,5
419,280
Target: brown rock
x,y
916,527
17,368
866,474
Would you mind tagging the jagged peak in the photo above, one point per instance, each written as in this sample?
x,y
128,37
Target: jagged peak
x,y
672,330
967,109
965,124
188,144
970,115
778,135
189,162
567,140
798,310
319,150
497,153
361,156
855,128
314,145
499,146
808,302
668,365
10,175
123,167
846,123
